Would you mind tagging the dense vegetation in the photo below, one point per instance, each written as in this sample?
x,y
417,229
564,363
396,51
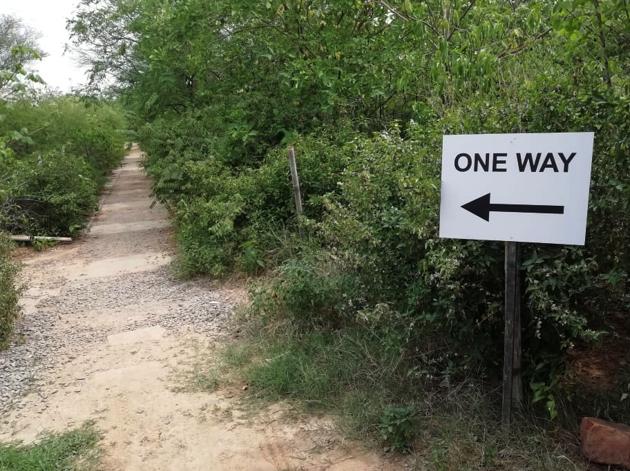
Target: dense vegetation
x,y
55,152
365,90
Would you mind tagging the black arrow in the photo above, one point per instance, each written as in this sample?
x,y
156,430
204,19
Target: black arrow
x,y
481,207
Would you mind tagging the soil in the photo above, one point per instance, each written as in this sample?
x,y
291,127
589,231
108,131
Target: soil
x,y
107,335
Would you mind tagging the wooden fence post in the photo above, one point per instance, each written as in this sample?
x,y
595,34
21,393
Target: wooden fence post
x,y
295,181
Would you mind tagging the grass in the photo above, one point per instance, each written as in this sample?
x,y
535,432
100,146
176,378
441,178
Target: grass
x,y
464,434
349,375
202,379
75,450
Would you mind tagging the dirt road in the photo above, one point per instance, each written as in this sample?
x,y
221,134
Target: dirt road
x,y
108,335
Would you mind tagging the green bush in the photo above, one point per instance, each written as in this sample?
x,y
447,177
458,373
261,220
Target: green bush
x,y
370,250
94,131
312,292
56,153
237,217
51,194
8,291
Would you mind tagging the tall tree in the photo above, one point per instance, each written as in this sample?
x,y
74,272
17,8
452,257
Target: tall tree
x,y
18,48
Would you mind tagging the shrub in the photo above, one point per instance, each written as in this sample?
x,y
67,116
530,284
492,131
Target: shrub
x,y
55,154
313,292
8,291
94,131
228,217
50,194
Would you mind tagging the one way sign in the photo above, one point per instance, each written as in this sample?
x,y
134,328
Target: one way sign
x,y
516,187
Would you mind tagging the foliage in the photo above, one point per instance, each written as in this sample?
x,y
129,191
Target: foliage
x,y
75,450
93,131
229,219
397,427
57,154
50,194
18,48
8,292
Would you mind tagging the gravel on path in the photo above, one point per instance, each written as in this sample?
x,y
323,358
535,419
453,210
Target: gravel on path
x,y
59,302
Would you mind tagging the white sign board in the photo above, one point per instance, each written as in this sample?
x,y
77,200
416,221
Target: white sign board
x,y
516,187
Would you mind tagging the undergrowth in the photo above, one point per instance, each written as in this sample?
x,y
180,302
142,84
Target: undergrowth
x,y
439,422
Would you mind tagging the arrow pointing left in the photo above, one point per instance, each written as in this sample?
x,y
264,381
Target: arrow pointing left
x,y
482,207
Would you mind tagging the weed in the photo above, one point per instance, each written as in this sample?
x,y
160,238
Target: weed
x,y
397,426
205,381
40,245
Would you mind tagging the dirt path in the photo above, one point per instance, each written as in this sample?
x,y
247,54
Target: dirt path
x,y
106,334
